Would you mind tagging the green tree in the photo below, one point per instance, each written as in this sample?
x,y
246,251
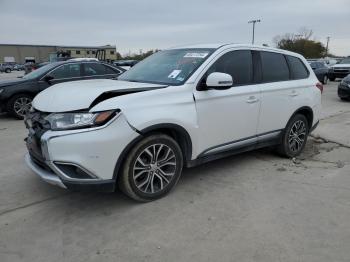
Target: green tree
x,y
302,44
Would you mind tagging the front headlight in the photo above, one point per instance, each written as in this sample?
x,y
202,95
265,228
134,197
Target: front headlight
x,y
64,121
1,90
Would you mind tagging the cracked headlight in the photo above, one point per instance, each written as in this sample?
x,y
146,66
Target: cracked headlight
x,y
68,121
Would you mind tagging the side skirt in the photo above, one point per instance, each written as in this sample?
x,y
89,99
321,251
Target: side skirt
x,y
265,140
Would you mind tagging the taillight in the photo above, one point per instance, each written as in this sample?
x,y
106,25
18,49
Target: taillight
x,y
320,86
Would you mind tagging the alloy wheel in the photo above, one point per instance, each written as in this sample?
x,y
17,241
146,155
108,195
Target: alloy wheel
x,y
297,136
22,105
154,168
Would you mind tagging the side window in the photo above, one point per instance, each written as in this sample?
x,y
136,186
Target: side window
x,y
274,67
297,67
92,69
66,71
110,71
238,64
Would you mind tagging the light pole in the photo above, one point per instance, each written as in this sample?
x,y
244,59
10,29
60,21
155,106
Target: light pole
x,y
254,22
327,45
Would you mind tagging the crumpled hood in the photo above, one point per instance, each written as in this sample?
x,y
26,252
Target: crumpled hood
x,y
340,65
79,95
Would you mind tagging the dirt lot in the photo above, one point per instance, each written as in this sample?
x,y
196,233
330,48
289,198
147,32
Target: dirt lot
x,y
251,207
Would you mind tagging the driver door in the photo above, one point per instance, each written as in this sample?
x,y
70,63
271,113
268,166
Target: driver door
x,y
228,118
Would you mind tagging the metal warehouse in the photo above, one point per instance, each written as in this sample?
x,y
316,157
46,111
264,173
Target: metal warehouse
x,y
17,53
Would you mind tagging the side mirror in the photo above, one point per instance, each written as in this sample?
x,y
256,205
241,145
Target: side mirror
x,y
219,81
48,78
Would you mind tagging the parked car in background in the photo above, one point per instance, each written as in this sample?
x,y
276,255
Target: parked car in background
x,y
18,67
16,95
321,70
126,64
344,88
178,107
340,70
7,68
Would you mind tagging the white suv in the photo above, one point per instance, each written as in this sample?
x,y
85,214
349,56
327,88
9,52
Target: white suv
x,y
178,108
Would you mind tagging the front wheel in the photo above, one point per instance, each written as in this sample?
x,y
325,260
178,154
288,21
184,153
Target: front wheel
x,y
152,168
19,105
7,70
331,78
294,136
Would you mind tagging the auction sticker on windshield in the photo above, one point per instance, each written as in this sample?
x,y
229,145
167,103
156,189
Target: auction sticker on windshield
x,y
196,55
174,74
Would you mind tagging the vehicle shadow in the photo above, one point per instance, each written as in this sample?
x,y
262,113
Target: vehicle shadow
x,y
100,203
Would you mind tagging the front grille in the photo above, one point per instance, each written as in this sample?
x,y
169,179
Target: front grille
x,y
36,120
37,126
342,70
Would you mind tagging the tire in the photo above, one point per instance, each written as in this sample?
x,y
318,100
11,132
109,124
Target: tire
x,y
331,78
7,70
290,147
15,103
138,168
325,80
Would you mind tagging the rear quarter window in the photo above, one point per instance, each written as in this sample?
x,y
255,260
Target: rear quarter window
x,y
274,67
297,68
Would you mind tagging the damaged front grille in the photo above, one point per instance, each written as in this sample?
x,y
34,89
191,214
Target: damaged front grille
x,y
37,125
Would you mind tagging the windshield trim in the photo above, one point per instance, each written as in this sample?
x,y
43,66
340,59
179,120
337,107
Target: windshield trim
x,y
210,52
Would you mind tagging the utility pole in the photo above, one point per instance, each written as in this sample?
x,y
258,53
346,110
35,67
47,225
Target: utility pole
x,y
327,45
254,22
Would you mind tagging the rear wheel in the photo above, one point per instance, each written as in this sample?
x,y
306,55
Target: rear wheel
x,y
294,137
7,70
19,105
152,168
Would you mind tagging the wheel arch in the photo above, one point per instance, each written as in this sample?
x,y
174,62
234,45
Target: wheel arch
x,y
177,132
307,112
24,92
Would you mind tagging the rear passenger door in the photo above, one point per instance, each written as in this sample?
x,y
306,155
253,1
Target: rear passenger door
x,y
99,70
282,86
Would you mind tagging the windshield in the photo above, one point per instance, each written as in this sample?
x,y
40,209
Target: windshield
x,y
170,67
38,72
345,61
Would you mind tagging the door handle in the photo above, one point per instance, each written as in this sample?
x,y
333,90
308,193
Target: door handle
x,y
293,93
252,99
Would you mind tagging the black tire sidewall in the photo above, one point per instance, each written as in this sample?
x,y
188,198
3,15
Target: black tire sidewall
x,y
11,103
285,143
325,80
131,159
